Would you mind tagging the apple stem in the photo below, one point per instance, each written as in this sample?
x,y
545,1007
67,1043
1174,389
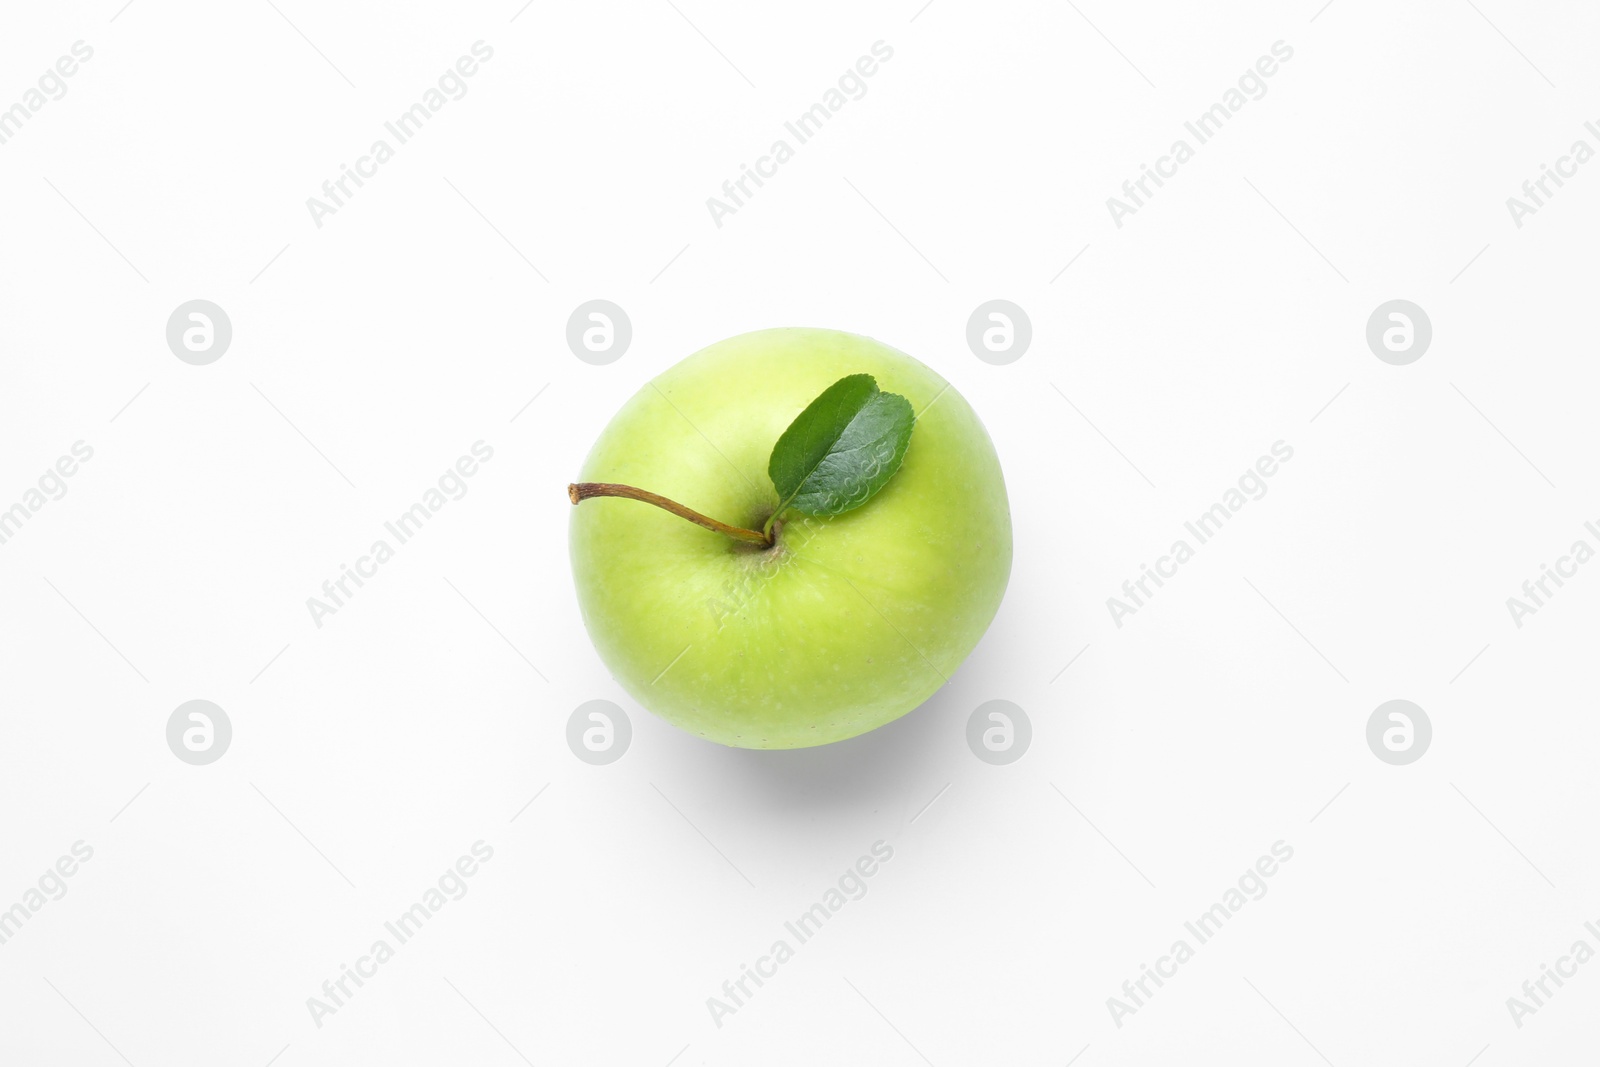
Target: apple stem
x,y
578,492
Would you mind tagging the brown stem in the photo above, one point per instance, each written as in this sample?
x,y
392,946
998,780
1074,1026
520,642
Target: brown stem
x,y
581,491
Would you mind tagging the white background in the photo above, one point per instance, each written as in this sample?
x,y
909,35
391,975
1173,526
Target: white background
x,y
368,354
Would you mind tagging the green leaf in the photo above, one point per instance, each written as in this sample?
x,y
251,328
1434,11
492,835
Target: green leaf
x,y
842,449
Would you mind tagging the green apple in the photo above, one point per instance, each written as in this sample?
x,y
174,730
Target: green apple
x,y
842,623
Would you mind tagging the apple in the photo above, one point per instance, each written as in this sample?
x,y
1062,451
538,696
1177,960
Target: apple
x,y
842,622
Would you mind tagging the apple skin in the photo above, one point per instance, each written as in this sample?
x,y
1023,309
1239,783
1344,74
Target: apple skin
x,y
846,623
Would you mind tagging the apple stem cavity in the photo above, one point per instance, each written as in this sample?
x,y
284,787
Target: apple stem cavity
x,y
578,492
